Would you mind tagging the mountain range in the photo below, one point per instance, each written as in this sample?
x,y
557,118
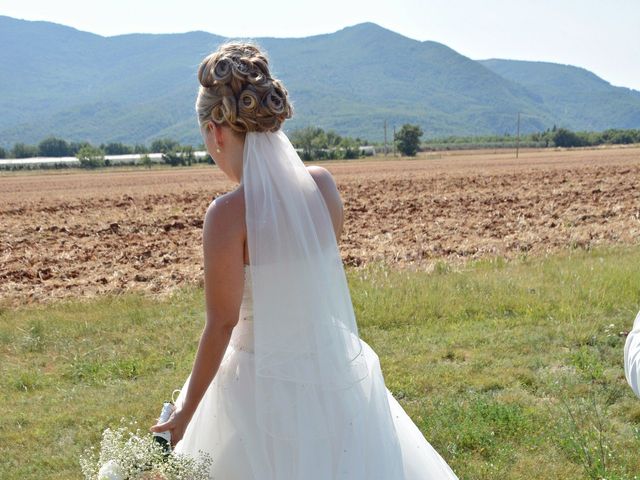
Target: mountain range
x,y
134,88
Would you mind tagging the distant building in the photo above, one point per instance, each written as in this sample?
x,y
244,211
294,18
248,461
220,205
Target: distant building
x,y
129,159
35,162
368,150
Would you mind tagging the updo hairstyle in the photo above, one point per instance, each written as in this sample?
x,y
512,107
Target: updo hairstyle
x,y
237,90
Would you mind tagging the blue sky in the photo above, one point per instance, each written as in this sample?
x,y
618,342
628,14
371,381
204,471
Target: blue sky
x,y
603,37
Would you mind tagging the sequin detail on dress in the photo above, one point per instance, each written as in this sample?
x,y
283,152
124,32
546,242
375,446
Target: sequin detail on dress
x,y
242,336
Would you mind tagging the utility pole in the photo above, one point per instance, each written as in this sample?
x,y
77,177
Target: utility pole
x,y
394,141
385,138
518,137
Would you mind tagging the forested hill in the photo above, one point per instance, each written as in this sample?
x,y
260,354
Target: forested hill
x,y
573,94
59,81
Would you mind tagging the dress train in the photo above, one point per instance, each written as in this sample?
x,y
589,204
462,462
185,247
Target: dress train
x,y
224,423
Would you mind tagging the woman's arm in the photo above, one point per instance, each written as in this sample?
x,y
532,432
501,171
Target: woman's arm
x,y
632,357
223,285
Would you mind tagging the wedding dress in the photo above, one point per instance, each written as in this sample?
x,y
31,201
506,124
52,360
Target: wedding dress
x,y
298,395
632,357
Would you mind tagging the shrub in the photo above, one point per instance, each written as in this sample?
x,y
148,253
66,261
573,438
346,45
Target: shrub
x,y
172,158
91,157
146,160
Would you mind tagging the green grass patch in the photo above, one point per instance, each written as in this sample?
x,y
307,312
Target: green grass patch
x,y
512,370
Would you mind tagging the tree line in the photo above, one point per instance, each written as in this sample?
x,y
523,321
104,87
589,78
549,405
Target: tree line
x,y
58,147
314,143
552,137
562,137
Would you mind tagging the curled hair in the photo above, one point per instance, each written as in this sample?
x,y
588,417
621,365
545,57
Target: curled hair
x,y
237,89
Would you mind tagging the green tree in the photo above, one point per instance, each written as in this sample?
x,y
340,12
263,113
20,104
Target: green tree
x,y
623,136
54,147
333,139
320,145
408,139
75,147
173,158
317,144
21,150
186,153
349,148
3,153
145,160
164,145
91,157
116,149
309,139
566,138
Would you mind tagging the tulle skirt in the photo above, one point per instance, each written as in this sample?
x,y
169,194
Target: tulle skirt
x,y
224,426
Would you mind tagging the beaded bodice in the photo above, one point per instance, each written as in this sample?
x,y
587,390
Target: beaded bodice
x,y
242,335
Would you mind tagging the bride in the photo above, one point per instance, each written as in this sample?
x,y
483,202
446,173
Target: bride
x,y
282,387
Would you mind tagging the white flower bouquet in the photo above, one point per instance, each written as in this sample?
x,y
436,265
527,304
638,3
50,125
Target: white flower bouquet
x,y
128,455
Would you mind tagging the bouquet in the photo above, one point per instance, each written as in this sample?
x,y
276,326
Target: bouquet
x,y
128,455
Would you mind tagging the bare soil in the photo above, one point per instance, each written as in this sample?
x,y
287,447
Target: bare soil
x,y
77,233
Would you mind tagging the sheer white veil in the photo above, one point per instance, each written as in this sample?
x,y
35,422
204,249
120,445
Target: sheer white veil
x,y
310,370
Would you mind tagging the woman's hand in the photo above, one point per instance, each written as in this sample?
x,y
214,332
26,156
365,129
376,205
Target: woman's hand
x,y
176,424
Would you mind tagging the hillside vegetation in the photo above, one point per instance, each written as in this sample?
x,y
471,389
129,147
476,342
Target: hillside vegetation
x,y
136,88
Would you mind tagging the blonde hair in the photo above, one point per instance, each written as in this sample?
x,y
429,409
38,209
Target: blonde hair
x,y
236,89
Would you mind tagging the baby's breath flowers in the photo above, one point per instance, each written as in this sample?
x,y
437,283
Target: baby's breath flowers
x,y
128,455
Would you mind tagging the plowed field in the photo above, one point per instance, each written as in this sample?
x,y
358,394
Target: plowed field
x,y
75,233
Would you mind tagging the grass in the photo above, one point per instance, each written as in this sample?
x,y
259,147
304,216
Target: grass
x,y
512,370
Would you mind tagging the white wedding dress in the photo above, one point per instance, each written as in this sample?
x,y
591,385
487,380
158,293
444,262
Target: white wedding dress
x,y
224,424
632,357
298,395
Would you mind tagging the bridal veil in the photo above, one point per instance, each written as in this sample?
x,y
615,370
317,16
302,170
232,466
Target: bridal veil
x,y
310,370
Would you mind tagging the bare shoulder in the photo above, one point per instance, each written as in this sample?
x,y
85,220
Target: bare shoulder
x,y
223,214
327,185
321,175
226,205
